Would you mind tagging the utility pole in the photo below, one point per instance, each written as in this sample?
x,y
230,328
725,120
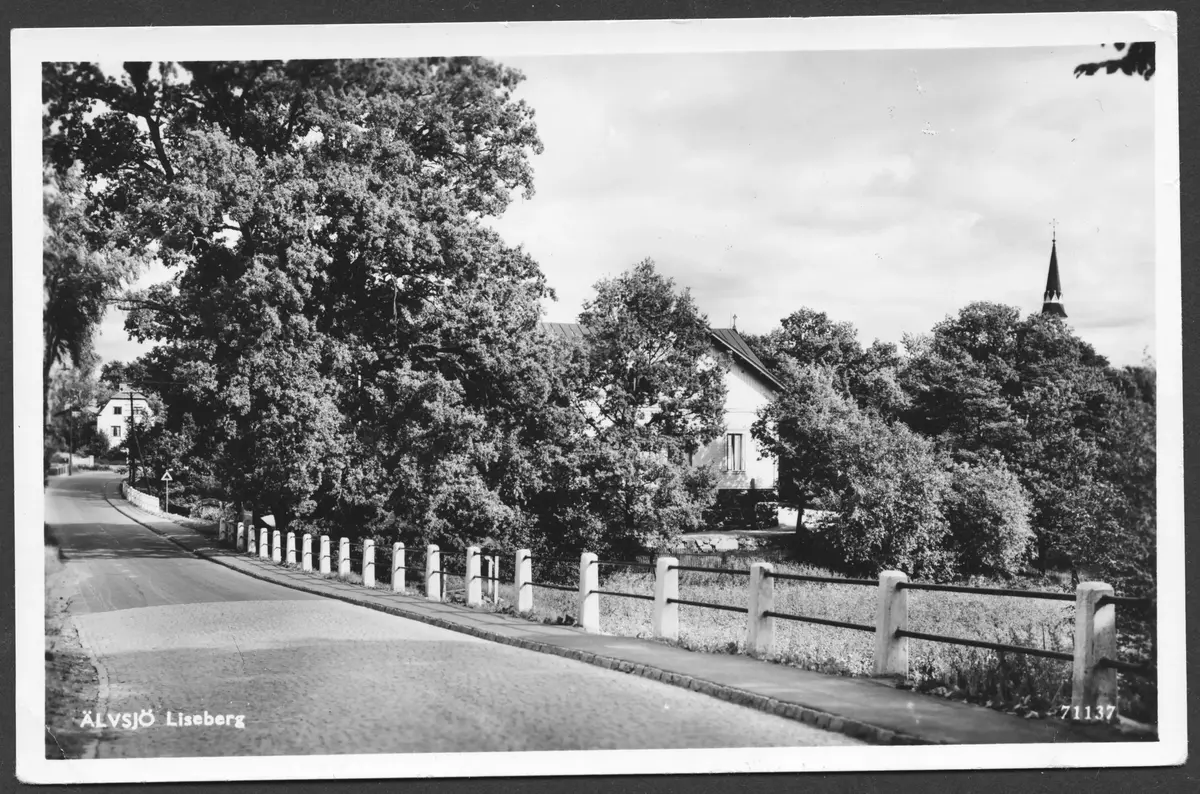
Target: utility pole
x,y
129,439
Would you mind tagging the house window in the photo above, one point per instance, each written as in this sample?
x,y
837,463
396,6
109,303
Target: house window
x,y
116,410
733,453
116,431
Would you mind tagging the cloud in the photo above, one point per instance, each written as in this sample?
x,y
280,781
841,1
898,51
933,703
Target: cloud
x,y
769,181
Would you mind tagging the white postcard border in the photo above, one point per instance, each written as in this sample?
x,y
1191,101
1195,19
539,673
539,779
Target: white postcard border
x,y
31,47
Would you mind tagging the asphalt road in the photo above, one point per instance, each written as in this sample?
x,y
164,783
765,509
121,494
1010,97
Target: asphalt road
x,y
172,634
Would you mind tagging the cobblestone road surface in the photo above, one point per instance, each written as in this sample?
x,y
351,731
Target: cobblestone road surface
x,y
175,635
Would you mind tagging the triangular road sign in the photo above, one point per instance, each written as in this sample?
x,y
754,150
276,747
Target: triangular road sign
x,y
167,477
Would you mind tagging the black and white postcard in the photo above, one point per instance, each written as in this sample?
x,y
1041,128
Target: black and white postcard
x,y
598,398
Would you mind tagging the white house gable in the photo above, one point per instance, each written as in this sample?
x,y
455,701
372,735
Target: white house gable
x,y
737,455
113,418
749,387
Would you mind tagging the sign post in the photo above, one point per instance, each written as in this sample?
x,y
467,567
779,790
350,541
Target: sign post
x,y
166,480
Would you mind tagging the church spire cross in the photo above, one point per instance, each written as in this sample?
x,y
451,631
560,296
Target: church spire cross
x,y
1052,298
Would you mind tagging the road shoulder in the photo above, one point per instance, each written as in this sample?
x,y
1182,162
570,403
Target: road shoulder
x,y
73,682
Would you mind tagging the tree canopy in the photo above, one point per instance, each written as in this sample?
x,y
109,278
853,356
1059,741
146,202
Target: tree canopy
x,y
650,369
81,274
1138,58
322,223
1030,447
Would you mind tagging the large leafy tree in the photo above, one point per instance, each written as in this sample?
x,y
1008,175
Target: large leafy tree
x,y
81,273
650,370
322,223
649,391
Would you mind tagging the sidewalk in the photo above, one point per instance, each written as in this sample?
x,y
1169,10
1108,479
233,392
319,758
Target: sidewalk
x,y
864,708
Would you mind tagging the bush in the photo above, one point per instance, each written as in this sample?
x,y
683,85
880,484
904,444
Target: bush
x,y
620,502
889,514
766,515
207,510
97,445
988,511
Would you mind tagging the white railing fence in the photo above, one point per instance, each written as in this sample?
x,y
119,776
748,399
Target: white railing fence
x,y
1094,657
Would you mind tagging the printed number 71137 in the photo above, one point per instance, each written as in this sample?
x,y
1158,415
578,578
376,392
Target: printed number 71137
x,y
1087,713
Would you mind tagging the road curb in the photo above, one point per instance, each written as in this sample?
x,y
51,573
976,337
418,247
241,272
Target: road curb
x,y
833,723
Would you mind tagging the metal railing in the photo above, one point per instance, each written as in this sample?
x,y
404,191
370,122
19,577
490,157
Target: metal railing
x,y
724,607
796,577
839,624
994,646
703,569
993,591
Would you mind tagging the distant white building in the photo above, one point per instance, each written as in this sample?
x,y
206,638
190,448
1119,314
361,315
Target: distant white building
x,y
113,418
749,386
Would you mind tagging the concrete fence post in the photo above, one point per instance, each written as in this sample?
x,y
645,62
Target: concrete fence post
x,y
891,615
343,557
368,563
398,567
324,558
221,530
276,550
291,548
251,541
665,619
474,584
1093,688
523,579
589,599
494,578
241,536
264,547
433,573
306,552
760,627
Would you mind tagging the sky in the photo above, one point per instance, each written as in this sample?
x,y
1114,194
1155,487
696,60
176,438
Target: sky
x,y
884,188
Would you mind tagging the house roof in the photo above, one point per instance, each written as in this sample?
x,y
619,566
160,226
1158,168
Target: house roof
x,y
565,330
727,338
126,396
121,397
730,338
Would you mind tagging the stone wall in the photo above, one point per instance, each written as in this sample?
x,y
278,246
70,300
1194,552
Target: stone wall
x,y
707,544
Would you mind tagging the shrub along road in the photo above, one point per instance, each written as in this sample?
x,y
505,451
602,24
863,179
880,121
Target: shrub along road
x,y
174,635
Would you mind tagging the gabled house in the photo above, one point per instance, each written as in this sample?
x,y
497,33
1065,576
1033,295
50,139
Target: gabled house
x,y
126,405
749,386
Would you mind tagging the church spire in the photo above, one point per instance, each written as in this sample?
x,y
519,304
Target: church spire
x,y
1052,299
